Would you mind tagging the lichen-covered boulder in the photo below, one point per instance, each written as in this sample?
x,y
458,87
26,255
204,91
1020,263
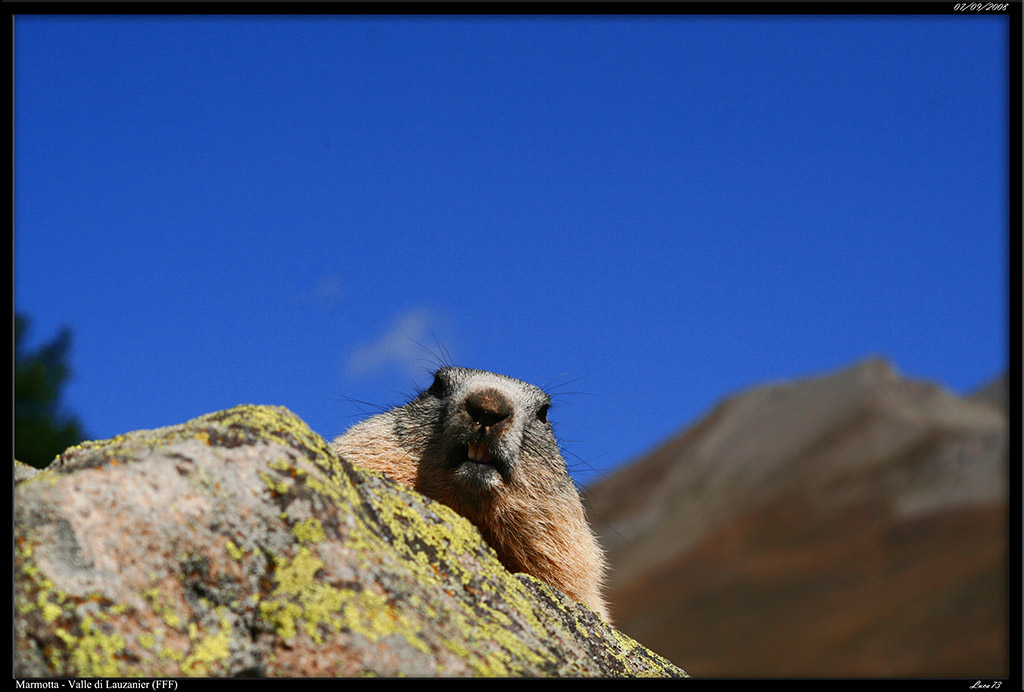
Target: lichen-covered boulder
x,y
238,544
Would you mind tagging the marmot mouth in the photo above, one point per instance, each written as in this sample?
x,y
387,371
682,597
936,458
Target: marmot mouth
x,y
473,460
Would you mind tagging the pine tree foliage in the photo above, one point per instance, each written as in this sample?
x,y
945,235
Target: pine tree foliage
x,y
42,430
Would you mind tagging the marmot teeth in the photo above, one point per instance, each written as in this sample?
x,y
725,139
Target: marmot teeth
x,y
478,452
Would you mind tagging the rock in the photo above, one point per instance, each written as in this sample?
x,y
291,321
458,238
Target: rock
x,y
238,544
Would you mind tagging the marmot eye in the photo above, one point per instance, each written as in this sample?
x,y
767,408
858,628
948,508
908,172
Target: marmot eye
x,y
542,413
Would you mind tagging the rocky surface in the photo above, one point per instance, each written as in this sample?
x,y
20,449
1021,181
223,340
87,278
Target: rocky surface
x,y
238,545
852,524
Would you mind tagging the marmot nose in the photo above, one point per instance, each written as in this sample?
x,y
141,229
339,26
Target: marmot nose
x,y
488,408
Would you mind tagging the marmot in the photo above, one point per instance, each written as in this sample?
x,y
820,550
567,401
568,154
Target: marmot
x,y
481,443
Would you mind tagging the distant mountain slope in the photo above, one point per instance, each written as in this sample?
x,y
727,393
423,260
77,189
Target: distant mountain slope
x,y
853,524
996,392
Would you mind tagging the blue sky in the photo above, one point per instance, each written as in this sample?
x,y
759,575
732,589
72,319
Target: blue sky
x,y
645,214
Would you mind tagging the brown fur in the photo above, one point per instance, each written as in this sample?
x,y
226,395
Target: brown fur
x,y
531,516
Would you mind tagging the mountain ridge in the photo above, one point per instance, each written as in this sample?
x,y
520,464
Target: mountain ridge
x,y
831,484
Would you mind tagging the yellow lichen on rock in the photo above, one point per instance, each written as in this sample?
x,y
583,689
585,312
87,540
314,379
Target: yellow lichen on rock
x,y
210,649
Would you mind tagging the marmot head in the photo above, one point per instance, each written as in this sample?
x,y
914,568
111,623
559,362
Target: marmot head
x,y
491,434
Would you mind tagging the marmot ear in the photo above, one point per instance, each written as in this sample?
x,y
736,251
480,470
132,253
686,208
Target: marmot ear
x,y
438,387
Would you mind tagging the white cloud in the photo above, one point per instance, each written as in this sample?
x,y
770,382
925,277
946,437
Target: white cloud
x,y
407,344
